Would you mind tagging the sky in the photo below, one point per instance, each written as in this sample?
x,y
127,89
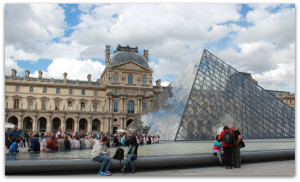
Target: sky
x,y
57,38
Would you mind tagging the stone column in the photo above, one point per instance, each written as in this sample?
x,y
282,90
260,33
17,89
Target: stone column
x,y
34,125
20,124
121,105
89,126
102,124
63,125
48,127
124,123
76,124
110,125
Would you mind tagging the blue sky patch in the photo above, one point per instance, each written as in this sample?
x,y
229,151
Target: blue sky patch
x,y
41,64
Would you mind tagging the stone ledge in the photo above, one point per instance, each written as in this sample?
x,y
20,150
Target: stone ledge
x,y
88,165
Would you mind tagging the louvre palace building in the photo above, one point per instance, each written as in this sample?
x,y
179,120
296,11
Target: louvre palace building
x,y
115,100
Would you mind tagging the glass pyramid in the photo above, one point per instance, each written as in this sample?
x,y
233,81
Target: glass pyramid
x,y
210,94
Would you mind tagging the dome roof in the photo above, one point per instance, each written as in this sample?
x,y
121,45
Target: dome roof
x,y
122,57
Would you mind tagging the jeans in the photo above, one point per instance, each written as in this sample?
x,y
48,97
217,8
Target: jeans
x,y
105,162
219,152
130,159
228,156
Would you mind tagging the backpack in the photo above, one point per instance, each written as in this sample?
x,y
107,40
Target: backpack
x,y
119,154
228,138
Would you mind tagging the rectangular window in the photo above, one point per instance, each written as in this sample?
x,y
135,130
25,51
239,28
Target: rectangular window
x,y
116,91
95,105
57,105
82,106
115,107
70,91
30,89
43,104
70,105
17,88
144,106
57,90
82,92
145,93
44,90
30,104
16,104
95,93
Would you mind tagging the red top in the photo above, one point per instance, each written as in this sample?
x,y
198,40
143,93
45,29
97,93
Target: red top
x,y
221,136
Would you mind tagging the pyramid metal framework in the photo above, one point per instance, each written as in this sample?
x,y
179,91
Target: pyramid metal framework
x,y
210,94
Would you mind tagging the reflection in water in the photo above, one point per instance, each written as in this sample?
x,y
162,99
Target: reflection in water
x,y
162,149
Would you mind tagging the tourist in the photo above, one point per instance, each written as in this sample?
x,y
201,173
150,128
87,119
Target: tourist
x,y
76,143
132,154
116,141
227,138
101,154
12,136
34,143
218,149
42,136
123,139
149,140
53,144
44,145
14,147
67,143
87,142
236,148
82,143
60,143
60,132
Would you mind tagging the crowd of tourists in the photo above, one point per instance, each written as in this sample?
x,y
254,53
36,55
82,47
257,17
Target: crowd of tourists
x,y
61,141
229,143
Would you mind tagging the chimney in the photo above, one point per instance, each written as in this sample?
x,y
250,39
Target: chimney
x,y
107,54
65,76
158,83
13,73
146,52
27,73
89,77
40,74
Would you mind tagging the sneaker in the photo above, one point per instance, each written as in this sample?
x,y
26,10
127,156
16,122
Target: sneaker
x,y
107,173
123,170
133,171
100,173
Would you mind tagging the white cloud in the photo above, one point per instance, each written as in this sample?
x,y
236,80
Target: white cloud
x,y
76,69
11,64
165,84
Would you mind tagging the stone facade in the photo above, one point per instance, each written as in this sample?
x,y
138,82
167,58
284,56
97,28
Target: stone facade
x,y
114,101
286,97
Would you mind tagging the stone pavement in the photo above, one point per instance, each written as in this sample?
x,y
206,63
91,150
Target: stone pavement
x,y
276,168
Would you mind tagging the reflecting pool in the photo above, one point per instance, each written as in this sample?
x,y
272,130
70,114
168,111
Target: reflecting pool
x,y
162,149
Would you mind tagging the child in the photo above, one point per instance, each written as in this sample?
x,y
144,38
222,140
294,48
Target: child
x,y
14,147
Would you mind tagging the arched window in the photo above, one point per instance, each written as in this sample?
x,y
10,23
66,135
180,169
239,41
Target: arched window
x,y
144,80
130,106
116,78
130,79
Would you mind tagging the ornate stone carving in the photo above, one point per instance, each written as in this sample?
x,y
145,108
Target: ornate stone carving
x,y
131,92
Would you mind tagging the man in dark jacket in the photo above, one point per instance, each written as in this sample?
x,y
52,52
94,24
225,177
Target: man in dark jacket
x,y
34,143
12,136
236,148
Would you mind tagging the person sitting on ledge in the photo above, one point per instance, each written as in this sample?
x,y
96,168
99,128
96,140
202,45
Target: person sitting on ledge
x,y
53,144
132,154
218,150
101,154
14,147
